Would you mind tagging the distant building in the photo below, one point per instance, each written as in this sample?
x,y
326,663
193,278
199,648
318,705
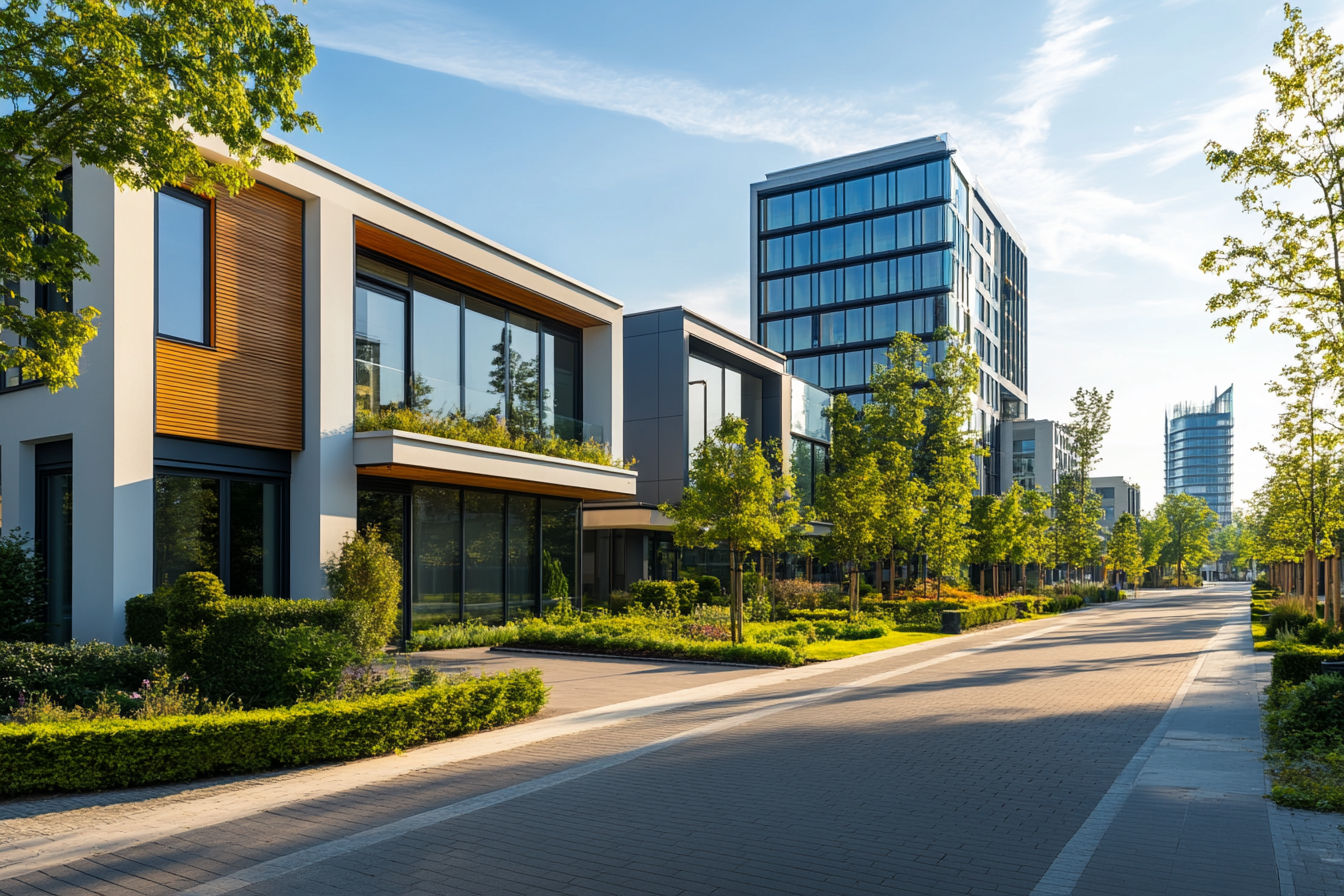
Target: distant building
x,y
1118,496
1198,449
1042,452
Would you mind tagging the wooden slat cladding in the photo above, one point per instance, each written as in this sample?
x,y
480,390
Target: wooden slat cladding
x,y
477,480
369,236
246,388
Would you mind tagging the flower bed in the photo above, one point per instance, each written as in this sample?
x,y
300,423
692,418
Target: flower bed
x,y
94,755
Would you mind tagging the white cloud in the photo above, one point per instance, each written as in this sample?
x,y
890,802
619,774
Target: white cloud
x,y
723,301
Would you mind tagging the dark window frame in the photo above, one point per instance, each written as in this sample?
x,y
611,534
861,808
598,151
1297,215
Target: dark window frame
x,y
226,477
545,325
207,255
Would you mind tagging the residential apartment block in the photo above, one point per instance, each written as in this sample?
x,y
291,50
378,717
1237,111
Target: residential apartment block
x,y
1042,452
217,424
1118,496
1197,447
849,251
683,375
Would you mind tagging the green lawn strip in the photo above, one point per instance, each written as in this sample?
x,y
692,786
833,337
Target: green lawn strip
x,y
838,650
1260,636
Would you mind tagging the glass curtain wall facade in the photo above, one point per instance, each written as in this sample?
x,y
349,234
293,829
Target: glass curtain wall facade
x,y
472,555
433,347
843,266
714,391
1198,450
223,523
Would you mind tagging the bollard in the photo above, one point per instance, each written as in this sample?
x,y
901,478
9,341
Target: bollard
x,y
951,622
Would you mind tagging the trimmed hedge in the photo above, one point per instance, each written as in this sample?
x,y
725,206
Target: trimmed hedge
x,y
1296,664
987,614
1063,603
654,644
72,674
147,618
121,753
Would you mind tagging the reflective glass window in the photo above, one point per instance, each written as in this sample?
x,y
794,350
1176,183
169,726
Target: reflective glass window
x,y
483,351
800,465
858,195
774,296
380,337
884,234
55,547
934,179
732,390
854,329
854,282
826,364
884,321
255,533
920,324
832,244
778,212
856,373
910,184
561,401
853,239
483,515
826,290
186,527
524,373
833,328
933,269
802,249
774,254
524,570
706,399
436,556
826,202
807,369
934,216
881,284
436,386
774,335
905,317
802,332
802,207
372,267
880,191
905,274
182,266
802,291
905,233
559,551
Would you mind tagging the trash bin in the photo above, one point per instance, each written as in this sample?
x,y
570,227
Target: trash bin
x,y
951,622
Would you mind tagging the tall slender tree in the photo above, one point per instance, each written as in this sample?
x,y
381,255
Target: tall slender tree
x,y
1125,550
851,496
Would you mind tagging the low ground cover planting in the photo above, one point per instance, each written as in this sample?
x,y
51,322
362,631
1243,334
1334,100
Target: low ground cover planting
x,y
1304,728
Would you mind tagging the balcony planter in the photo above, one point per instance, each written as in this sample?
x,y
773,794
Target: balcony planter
x,y
407,455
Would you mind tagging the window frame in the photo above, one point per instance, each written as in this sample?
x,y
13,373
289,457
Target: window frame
x,y
207,265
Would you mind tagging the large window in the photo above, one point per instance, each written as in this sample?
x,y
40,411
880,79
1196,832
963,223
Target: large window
x,y
182,262
467,355
55,535
714,392
477,555
808,465
229,525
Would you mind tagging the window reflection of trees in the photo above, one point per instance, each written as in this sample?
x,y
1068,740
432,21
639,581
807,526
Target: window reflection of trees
x,y
186,526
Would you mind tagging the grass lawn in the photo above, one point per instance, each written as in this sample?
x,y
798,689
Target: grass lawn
x,y
838,650
1261,637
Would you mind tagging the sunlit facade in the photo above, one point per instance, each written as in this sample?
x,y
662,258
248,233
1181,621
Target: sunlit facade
x,y
1198,451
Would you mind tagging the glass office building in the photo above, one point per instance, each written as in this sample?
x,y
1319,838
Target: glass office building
x,y
850,251
1198,449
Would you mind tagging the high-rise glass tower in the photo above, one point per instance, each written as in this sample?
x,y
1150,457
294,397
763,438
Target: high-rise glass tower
x,y
848,251
1199,452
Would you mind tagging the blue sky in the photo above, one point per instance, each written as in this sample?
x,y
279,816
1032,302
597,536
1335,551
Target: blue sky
x,y
616,142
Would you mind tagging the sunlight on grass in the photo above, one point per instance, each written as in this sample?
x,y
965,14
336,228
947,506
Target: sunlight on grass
x,y
837,649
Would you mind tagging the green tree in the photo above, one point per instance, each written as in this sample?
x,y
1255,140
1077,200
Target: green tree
x,y
1078,510
789,514
895,420
730,500
1035,541
944,460
1126,551
850,496
364,569
1154,535
126,87
1192,525
23,602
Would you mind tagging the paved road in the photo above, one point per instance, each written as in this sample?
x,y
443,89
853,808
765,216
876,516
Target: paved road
x,y
1111,751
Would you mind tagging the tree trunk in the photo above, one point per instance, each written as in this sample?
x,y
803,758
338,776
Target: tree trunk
x,y
1334,586
736,557
853,591
891,571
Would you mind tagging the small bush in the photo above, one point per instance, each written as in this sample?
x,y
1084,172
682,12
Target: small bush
x,y
365,571
657,595
147,618
1296,663
1063,603
1287,616
23,602
95,755
795,594
73,674
1308,716
710,588
688,595
987,614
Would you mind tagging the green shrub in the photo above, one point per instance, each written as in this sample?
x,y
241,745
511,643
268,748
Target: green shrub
x,y
365,571
1295,664
710,589
815,614
23,602
651,641
147,617
73,674
656,595
1308,716
1063,603
235,647
119,753
467,634
1287,616
688,594
865,589
987,614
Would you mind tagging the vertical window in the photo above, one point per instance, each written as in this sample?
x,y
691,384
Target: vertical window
x,y
186,527
855,282
884,234
254,538
561,402
774,254
934,216
826,289
231,526
57,296
826,202
802,291
853,239
859,195
483,514
436,580
856,373
827,371
832,244
935,179
802,207
880,191
905,317
524,570
802,332
774,296
905,274
854,329
182,277
833,328
806,369
774,335
910,185
524,373
778,212
803,481
881,278
884,321
559,551
802,249
55,542
905,233
483,350
380,351
436,341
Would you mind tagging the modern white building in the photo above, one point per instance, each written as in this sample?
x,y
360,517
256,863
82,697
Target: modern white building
x,y
1118,496
1042,452
215,423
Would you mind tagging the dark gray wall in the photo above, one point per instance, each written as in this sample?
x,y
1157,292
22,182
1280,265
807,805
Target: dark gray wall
x,y
655,403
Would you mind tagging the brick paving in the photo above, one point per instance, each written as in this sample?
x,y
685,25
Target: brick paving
x,y
967,774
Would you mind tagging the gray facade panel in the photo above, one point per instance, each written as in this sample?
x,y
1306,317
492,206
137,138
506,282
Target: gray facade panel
x,y
672,448
641,377
640,324
671,319
671,363
641,443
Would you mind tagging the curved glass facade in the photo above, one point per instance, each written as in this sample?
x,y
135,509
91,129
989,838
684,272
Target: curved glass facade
x,y
1199,452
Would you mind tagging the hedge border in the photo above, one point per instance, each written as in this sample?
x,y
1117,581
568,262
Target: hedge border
x,y
75,756
1295,665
